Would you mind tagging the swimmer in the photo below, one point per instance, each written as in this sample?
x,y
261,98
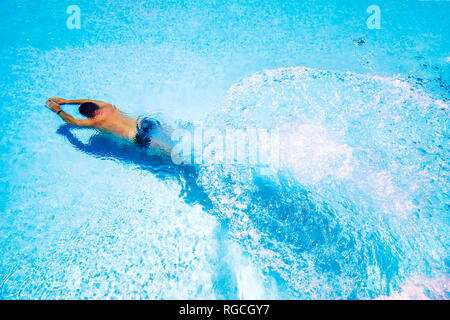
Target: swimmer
x,y
144,131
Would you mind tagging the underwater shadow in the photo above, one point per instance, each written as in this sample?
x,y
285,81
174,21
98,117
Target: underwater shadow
x,y
105,146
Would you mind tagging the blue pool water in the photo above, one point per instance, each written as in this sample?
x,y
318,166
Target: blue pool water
x,y
356,207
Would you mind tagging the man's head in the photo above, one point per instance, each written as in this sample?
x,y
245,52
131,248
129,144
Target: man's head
x,y
87,109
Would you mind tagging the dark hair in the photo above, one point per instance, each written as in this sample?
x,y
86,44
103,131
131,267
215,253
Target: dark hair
x,y
87,109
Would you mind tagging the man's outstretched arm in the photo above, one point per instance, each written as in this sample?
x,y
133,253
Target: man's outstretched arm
x,y
68,118
62,101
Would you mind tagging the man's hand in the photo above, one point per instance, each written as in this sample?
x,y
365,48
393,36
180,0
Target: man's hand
x,y
57,100
53,106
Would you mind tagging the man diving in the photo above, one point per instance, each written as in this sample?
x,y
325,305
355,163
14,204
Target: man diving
x,y
103,116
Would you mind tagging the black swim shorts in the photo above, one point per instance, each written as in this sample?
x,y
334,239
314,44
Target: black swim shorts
x,y
145,128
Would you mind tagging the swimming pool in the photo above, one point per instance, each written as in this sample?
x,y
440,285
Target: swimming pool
x,y
355,207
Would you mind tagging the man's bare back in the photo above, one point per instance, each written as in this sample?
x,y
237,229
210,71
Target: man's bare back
x,y
112,120
107,118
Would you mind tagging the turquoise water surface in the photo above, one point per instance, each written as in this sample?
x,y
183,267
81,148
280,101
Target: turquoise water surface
x,y
355,207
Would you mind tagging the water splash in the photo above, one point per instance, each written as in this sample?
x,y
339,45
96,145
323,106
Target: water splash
x,y
358,200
